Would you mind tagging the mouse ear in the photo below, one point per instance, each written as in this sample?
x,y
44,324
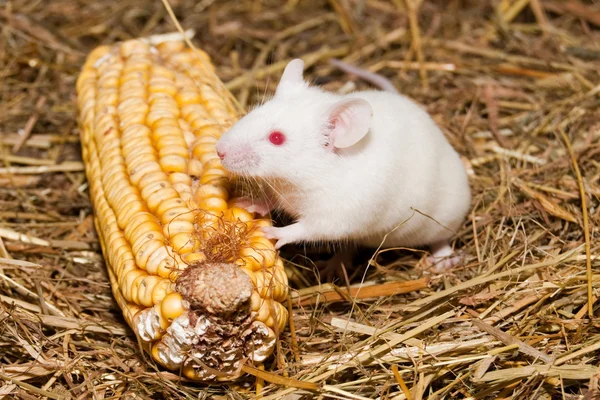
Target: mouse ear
x,y
293,71
292,75
349,121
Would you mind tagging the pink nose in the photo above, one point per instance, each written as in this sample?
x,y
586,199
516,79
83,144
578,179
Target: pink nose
x,y
221,155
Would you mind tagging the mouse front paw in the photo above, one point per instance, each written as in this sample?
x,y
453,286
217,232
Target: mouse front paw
x,y
285,235
272,232
258,206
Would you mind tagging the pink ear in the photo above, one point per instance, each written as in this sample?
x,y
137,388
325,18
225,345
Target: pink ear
x,y
350,121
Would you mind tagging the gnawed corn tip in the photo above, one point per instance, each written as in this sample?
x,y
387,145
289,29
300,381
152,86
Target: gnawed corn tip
x,y
195,278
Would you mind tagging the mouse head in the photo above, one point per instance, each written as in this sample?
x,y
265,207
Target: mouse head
x,y
301,129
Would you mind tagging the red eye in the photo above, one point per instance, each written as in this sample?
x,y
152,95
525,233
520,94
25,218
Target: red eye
x,y
277,138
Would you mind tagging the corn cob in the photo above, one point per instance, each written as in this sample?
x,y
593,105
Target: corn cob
x,y
196,280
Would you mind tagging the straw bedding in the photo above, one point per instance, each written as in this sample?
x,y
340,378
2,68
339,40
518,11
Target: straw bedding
x,y
513,84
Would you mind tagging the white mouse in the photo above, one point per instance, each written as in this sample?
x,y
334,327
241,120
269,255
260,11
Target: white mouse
x,y
369,167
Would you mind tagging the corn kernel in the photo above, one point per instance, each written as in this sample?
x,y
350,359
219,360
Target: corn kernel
x,y
171,306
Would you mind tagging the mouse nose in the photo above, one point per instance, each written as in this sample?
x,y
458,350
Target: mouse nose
x,y
221,154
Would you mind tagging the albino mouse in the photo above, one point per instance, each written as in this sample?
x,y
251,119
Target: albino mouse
x,y
360,167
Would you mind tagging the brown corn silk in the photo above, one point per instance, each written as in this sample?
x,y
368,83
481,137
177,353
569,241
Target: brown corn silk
x,y
195,278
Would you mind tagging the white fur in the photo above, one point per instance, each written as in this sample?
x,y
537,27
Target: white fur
x,y
401,178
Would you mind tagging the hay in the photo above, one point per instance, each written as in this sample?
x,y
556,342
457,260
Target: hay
x,y
515,86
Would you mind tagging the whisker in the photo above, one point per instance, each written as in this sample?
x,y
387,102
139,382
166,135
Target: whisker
x,y
264,96
281,197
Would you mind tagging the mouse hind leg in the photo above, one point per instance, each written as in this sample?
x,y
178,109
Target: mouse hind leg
x,y
332,270
443,258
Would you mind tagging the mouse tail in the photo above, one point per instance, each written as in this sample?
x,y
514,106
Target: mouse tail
x,y
376,79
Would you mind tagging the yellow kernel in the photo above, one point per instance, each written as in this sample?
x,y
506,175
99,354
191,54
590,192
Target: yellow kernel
x,y
154,200
192,258
189,371
127,285
166,128
270,322
180,213
149,229
130,47
169,204
172,306
173,149
200,121
161,290
238,214
264,245
265,281
264,311
255,301
189,138
194,111
146,172
259,255
179,177
154,187
211,164
136,220
164,72
281,316
120,247
164,323
207,157
185,192
280,283
155,259
163,87
128,210
156,115
184,242
122,269
171,46
172,140
250,263
167,267
200,149
217,170
155,352
188,97
213,204
217,180
142,153
261,223
145,289
207,138
132,118
163,123
158,176
178,226
133,104
174,163
205,191
142,255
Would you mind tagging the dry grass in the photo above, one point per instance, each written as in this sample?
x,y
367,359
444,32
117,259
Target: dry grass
x,y
516,87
